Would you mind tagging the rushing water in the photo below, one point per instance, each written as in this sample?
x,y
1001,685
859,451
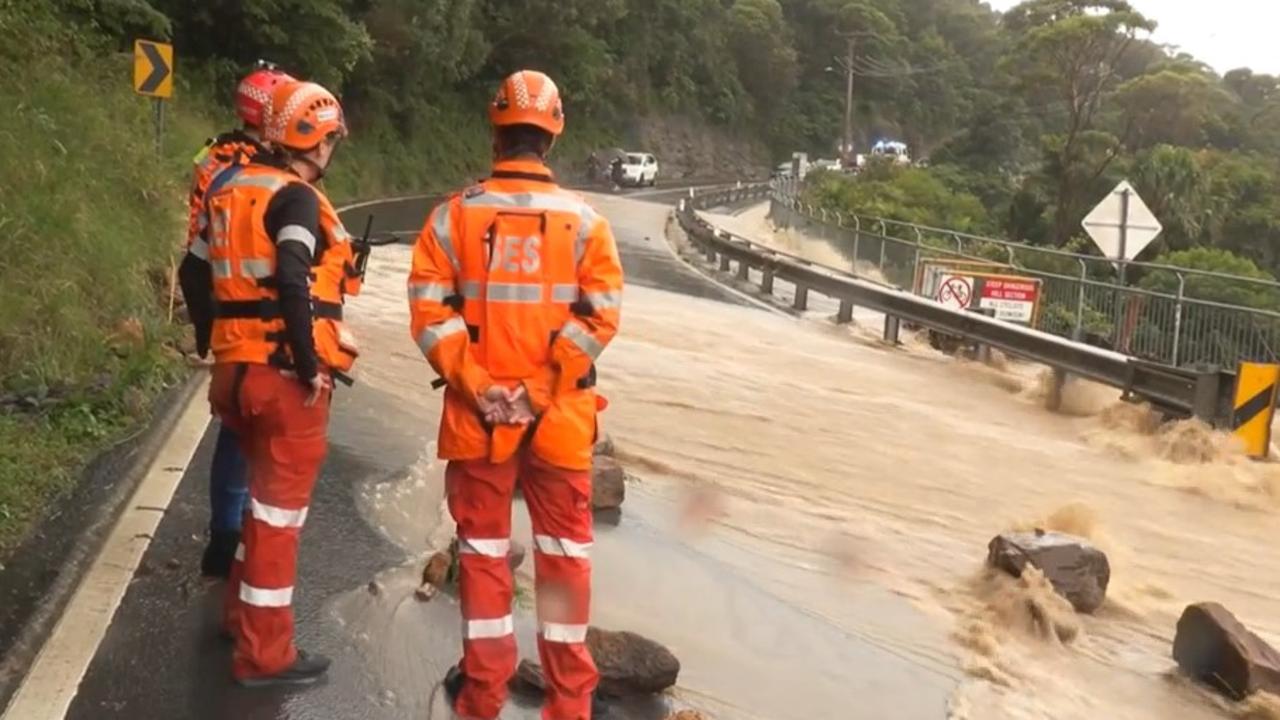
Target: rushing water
x,y
812,511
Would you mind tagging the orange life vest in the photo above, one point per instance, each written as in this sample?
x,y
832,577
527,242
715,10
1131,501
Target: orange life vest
x,y
526,276
335,279
217,155
248,326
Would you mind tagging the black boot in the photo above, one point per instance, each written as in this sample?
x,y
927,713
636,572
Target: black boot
x,y
453,682
305,670
219,553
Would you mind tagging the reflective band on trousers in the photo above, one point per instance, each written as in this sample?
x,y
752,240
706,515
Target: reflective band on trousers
x,y
606,300
200,248
240,552
433,334
574,333
297,233
260,597
563,547
561,633
564,293
442,228
494,547
436,292
526,293
276,516
487,629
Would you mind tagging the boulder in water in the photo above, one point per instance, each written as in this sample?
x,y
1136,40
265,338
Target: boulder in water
x,y
1078,571
605,447
630,666
1212,646
608,483
528,678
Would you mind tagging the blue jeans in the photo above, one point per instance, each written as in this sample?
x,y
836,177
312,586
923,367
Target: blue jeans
x,y
228,484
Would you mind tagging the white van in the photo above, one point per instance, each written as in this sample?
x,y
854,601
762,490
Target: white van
x,y
639,169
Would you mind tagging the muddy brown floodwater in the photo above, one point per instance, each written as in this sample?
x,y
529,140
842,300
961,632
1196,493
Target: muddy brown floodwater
x,y
804,492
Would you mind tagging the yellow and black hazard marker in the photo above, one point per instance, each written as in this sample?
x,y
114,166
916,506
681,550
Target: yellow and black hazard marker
x,y
1255,406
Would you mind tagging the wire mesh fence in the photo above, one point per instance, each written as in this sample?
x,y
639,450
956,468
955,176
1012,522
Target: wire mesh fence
x,y
1081,296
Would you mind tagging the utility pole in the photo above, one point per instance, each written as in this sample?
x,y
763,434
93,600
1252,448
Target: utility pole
x,y
847,149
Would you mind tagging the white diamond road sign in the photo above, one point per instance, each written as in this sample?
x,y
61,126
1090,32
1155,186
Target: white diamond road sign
x,y
1122,209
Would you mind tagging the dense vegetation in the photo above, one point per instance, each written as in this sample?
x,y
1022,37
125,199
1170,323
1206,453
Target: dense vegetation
x,y
1035,114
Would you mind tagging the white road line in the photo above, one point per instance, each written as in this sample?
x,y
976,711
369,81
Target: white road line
x,y
54,679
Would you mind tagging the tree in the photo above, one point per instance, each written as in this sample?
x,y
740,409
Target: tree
x,y
1065,57
767,62
1176,189
1174,107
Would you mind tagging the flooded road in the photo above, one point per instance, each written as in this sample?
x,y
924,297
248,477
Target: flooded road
x,y
897,468
806,529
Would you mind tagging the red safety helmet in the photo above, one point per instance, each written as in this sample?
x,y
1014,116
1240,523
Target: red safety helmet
x,y
253,95
528,97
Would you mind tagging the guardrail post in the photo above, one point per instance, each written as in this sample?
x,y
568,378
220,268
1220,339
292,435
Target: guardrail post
x,y
845,314
1177,318
766,281
744,270
984,350
802,298
891,324
1078,332
724,263
1208,403
1053,403
959,244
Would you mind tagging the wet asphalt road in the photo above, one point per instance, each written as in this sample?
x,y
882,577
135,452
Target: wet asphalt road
x,y
163,657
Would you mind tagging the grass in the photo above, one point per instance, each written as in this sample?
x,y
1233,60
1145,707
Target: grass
x,y
91,219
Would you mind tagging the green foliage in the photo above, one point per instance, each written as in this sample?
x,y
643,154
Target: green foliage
x,y
1218,289
910,195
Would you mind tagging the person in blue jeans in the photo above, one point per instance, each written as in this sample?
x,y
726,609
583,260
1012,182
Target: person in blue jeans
x,y
228,492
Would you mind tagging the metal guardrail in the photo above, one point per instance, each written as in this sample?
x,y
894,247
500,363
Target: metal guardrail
x,y
1173,328
1204,392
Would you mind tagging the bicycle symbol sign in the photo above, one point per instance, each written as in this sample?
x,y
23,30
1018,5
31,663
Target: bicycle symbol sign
x,y
955,291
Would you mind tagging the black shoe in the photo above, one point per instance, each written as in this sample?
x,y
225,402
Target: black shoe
x,y
599,709
219,553
453,682
305,670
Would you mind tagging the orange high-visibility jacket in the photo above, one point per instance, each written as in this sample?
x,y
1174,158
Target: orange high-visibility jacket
x,y
336,278
217,155
517,281
247,325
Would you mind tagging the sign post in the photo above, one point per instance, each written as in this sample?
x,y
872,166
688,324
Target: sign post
x,y
153,77
1122,226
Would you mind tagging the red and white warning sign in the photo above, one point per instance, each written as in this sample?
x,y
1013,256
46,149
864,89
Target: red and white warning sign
x,y
955,291
1013,300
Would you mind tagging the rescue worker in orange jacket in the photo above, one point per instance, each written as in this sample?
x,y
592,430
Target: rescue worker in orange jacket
x,y
228,472
515,291
268,228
